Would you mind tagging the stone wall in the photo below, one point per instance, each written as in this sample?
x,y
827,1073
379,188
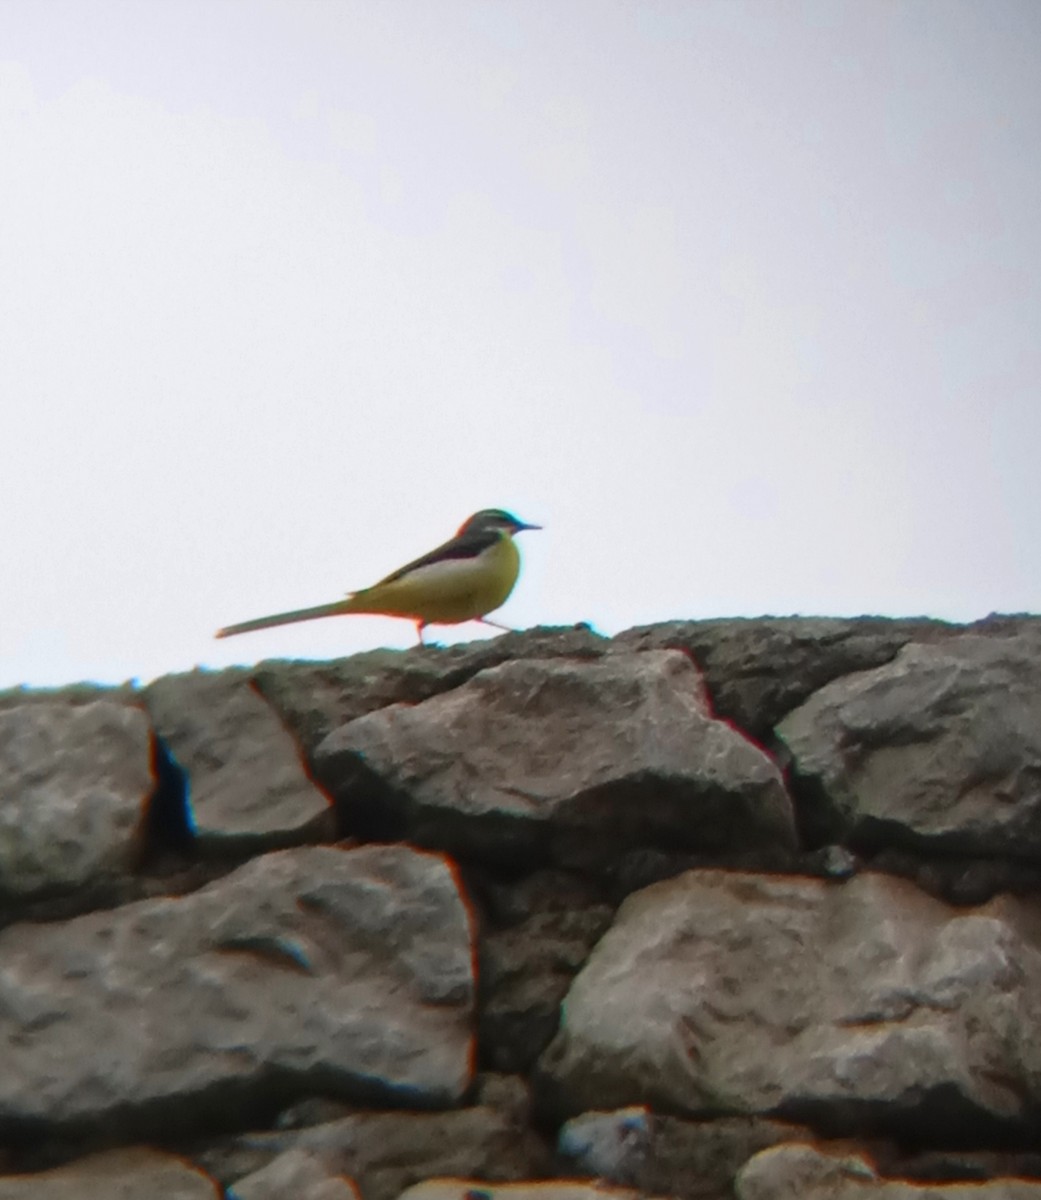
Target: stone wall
x,y
710,909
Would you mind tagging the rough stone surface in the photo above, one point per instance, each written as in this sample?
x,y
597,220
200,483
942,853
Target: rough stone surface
x,y
574,762
938,750
784,1172
117,1175
954,1164
308,1024
73,694
314,698
478,1189
385,1153
616,1146
958,878
297,1174
509,1095
757,670
247,786
75,782
535,934
317,968
852,1007
695,1160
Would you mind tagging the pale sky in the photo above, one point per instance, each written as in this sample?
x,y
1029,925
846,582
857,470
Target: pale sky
x,y
741,301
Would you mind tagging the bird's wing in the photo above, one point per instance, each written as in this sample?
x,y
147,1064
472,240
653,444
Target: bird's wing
x,y
463,545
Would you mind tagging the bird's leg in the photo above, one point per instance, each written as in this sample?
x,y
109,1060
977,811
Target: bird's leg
x,y
496,625
420,625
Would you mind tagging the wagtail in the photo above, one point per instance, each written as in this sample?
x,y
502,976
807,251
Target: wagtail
x,y
465,579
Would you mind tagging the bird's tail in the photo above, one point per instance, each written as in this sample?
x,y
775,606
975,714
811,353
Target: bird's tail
x,y
288,618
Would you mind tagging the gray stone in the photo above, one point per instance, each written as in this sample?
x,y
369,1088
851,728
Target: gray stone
x,y
804,1171
758,669
959,879
115,1175
312,1110
549,923
694,1160
953,1163
939,750
314,698
479,1189
294,1175
315,969
387,1152
75,783
247,786
861,1007
614,1146
72,694
507,1094
554,759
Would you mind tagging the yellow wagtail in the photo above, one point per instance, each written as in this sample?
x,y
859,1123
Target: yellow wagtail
x,y
463,580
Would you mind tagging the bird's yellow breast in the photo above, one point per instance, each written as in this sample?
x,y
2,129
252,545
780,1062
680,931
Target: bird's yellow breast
x,y
449,591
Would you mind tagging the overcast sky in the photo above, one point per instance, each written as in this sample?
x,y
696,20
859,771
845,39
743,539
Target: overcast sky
x,y
741,301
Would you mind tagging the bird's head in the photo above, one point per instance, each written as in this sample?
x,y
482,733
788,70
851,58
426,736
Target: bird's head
x,y
494,519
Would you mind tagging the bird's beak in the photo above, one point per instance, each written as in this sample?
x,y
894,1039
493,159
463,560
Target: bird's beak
x,y
521,525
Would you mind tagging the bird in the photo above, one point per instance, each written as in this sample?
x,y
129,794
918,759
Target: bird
x,y
464,579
